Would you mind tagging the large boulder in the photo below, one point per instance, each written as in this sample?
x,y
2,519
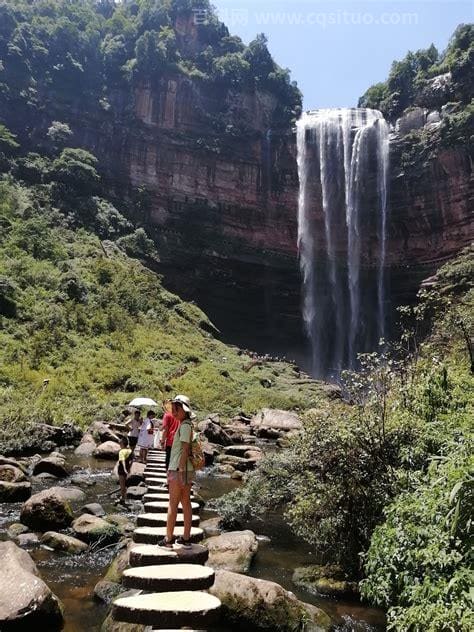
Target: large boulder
x,y
14,492
328,580
4,460
101,432
95,509
26,602
92,529
85,449
275,420
256,604
50,509
64,543
12,474
214,433
136,475
232,551
107,450
54,464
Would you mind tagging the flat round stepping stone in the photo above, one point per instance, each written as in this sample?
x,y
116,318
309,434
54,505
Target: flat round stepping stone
x,y
151,476
171,609
162,505
151,555
151,497
168,577
157,489
155,468
159,520
152,535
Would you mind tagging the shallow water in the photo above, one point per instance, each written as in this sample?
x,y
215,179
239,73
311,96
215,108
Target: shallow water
x,y
72,578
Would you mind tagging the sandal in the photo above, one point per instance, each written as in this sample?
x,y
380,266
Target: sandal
x,y
181,543
164,542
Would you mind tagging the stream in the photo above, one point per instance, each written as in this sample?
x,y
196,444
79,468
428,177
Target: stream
x,y
72,578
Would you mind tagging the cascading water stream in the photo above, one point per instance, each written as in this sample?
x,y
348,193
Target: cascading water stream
x,y
343,307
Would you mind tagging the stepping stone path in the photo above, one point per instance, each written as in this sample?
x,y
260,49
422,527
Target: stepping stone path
x,y
159,520
162,505
170,581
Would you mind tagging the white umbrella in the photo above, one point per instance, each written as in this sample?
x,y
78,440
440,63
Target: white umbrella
x,y
138,402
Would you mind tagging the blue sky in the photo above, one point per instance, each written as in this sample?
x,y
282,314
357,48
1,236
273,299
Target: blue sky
x,y
336,49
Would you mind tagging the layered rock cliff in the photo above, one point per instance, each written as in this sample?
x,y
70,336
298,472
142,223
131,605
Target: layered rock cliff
x,y
223,207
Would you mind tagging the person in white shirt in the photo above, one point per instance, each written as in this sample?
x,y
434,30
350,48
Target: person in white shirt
x,y
135,423
145,436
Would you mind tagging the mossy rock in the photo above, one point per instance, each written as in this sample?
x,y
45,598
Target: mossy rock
x,y
264,606
118,565
329,580
93,529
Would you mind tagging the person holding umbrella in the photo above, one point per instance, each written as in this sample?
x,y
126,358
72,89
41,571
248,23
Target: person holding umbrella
x,y
145,437
134,424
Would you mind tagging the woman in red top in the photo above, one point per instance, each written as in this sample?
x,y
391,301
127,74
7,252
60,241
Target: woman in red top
x,y
169,426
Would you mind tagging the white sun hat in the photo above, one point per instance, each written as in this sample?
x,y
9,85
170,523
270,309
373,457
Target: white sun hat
x,y
185,403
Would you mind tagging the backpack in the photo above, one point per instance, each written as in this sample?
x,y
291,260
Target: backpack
x,y
196,453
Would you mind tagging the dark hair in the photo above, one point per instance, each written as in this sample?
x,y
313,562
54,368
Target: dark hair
x,y
124,441
150,412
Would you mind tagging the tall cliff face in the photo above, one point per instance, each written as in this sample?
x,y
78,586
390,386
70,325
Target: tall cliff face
x,y
222,204
221,191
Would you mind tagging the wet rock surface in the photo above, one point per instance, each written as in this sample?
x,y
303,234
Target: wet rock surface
x,y
107,450
14,492
54,464
92,529
26,602
63,542
328,580
49,509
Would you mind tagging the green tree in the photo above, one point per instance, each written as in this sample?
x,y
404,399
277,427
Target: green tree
x,y
151,54
259,58
76,168
59,133
231,68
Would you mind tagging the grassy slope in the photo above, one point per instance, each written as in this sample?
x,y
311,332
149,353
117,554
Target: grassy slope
x,y
101,327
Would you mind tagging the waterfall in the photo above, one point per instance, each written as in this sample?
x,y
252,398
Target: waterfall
x,y
343,163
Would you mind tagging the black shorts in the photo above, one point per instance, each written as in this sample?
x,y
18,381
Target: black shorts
x,y
168,456
120,470
132,442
